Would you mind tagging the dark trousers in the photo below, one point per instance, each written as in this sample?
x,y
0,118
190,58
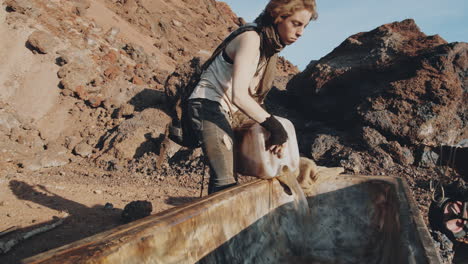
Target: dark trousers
x,y
212,124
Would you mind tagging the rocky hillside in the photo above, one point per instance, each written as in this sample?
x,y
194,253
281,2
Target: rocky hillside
x,y
84,79
391,90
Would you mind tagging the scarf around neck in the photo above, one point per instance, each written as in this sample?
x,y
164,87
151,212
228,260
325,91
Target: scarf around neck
x,y
270,46
271,43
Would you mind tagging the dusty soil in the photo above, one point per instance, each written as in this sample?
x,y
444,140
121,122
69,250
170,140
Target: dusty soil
x,y
81,192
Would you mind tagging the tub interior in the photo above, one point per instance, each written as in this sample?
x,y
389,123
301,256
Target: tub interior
x,y
349,221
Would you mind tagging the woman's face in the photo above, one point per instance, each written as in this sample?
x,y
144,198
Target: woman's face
x,y
292,27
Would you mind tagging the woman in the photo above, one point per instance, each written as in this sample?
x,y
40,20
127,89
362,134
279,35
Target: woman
x,y
238,78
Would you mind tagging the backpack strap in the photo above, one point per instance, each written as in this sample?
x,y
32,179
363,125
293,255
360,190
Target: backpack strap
x,y
223,45
226,57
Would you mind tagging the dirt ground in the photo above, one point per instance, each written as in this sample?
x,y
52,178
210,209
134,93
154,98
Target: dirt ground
x,y
91,200
79,194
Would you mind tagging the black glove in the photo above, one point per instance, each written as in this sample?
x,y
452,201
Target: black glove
x,y
278,134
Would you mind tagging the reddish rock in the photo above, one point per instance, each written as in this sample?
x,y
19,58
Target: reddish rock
x,y
77,73
67,92
71,142
125,110
112,72
160,76
129,72
145,74
137,80
95,101
227,11
352,163
284,67
111,57
42,42
95,58
81,92
394,79
83,149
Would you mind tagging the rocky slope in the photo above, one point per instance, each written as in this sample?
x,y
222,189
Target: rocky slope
x,y
398,88
91,65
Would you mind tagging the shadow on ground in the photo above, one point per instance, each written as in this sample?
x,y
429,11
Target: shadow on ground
x,y
176,201
81,222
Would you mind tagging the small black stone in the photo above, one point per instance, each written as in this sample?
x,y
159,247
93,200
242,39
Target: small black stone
x,y
136,210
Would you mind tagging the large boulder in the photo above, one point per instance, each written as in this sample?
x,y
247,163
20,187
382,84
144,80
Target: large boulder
x,y
42,42
77,76
54,156
136,136
180,84
409,87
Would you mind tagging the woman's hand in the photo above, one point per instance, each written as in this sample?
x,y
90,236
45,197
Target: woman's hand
x,y
277,150
278,135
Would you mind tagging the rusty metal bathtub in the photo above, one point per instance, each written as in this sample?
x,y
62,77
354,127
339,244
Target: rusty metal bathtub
x,y
352,219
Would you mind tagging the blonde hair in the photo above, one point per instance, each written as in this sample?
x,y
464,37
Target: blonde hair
x,y
278,10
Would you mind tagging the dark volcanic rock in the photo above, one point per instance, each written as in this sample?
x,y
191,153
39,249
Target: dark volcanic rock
x,y
399,154
407,86
323,144
372,138
136,210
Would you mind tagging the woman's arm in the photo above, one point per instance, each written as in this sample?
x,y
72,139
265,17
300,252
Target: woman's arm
x,y
245,51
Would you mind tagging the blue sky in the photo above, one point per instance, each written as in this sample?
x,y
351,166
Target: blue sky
x,y
339,19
